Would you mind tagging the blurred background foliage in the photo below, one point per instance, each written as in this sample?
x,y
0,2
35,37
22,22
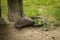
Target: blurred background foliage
x,y
48,9
4,8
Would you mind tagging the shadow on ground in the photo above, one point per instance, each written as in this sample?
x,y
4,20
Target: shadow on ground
x,y
28,33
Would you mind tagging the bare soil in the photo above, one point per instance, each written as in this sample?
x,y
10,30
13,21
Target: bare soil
x,y
28,33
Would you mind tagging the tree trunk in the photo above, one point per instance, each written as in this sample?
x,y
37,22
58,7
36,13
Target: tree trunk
x,y
15,10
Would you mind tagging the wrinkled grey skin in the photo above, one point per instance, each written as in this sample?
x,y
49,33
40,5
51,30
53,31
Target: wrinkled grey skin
x,y
24,21
15,10
16,14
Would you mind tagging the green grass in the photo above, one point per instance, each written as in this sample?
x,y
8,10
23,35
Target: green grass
x,y
4,8
48,8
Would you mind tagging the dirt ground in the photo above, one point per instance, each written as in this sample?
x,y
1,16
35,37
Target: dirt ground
x,y
28,33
